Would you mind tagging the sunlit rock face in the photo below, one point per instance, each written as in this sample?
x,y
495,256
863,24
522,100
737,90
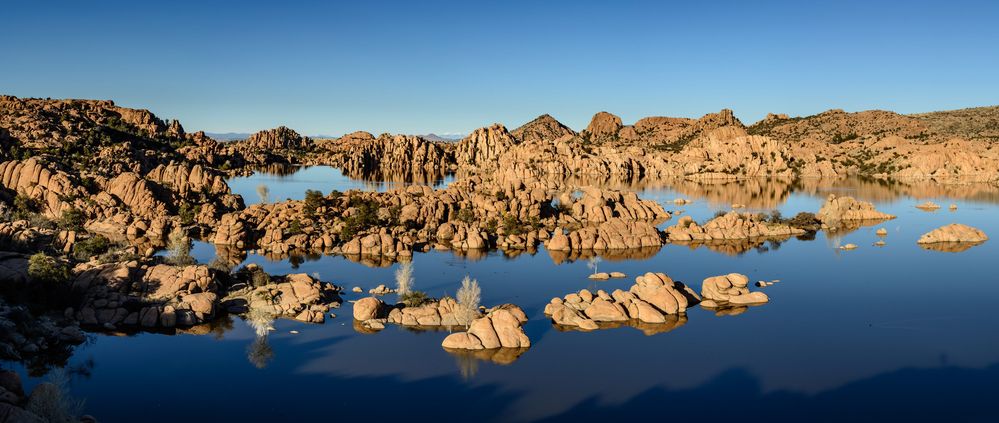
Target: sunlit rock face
x,y
651,300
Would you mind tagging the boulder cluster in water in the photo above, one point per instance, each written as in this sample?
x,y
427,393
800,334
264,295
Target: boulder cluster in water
x,y
91,193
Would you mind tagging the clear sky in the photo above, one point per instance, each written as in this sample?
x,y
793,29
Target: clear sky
x,y
452,66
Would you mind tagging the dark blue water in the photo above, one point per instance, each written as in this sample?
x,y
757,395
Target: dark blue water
x,y
874,334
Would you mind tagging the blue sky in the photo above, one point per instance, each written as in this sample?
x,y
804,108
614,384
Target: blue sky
x,y
452,66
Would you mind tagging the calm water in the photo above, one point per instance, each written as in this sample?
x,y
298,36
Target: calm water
x,y
290,183
874,334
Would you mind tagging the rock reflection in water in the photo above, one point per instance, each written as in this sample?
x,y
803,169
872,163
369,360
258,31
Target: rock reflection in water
x,y
644,253
673,321
950,247
736,247
468,360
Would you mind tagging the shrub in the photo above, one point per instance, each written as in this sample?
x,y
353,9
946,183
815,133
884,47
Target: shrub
x,y
259,278
404,279
805,220
313,200
93,246
414,298
264,192
468,297
25,207
365,216
72,219
47,270
188,213
466,216
179,249
775,217
294,227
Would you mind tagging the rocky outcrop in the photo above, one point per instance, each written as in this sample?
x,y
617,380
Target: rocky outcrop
x,y
295,296
543,129
280,138
616,234
368,308
484,146
184,179
138,194
953,233
729,290
231,230
52,188
443,312
652,298
410,156
501,327
597,205
603,125
729,226
840,209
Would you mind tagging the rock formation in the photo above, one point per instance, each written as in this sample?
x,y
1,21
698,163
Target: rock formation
x,y
730,289
501,327
953,233
652,299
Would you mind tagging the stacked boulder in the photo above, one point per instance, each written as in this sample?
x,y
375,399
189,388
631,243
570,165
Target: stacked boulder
x,y
652,298
729,290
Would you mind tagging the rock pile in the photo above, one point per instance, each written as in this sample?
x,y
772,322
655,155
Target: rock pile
x,y
652,298
730,289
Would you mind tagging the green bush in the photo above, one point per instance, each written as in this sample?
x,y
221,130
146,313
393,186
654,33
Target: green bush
x,y
93,246
365,216
47,270
466,216
294,228
72,219
414,298
313,200
25,207
188,213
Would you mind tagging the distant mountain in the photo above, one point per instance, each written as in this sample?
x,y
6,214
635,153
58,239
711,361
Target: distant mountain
x,y
228,136
443,138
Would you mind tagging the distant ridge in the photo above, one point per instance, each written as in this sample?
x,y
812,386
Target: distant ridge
x,y
442,138
228,136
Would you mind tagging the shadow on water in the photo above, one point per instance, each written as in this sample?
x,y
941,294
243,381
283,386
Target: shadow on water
x,y
952,394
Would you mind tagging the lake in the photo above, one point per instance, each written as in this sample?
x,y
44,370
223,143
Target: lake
x,y
874,334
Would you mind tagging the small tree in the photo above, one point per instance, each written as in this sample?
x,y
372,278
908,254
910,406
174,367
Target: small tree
x,y
593,262
404,278
264,193
313,200
179,248
72,219
468,297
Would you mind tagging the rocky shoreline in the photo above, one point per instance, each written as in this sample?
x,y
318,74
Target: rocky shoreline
x,y
100,204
